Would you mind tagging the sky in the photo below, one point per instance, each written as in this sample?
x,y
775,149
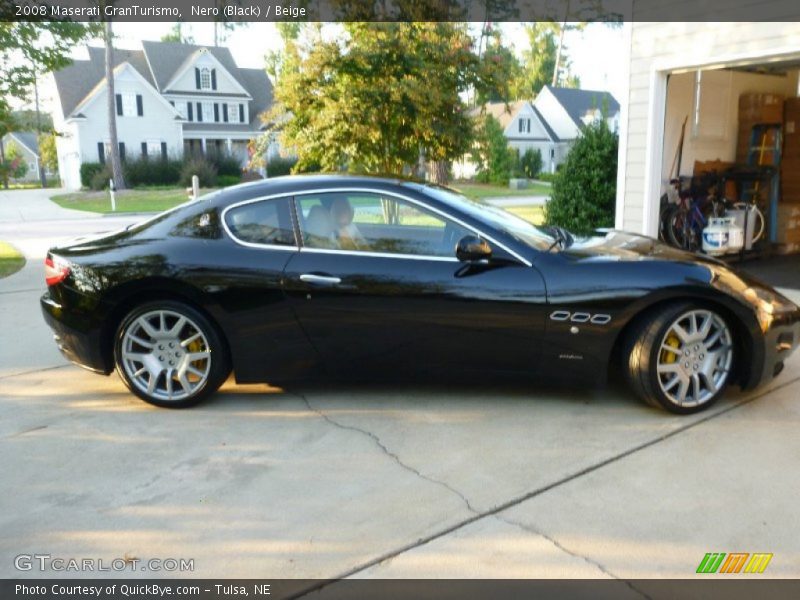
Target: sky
x,y
597,53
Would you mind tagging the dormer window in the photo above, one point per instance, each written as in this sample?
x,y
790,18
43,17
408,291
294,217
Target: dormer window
x,y
205,78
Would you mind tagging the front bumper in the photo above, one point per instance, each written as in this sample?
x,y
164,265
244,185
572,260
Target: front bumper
x,y
774,348
78,343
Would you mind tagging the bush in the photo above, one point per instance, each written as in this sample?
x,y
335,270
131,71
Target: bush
x,y
152,171
584,190
280,166
88,171
201,167
228,180
531,163
99,180
226,164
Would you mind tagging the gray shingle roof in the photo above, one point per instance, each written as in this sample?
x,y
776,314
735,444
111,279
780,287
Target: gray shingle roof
x,y
29,139
166,58
545,124
258,84
579,102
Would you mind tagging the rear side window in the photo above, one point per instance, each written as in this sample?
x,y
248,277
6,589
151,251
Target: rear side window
x,y
267,222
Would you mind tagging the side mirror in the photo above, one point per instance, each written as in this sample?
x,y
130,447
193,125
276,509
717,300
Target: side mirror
x,y
471,248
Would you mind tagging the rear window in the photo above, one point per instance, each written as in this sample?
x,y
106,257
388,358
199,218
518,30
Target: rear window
x,y
267,222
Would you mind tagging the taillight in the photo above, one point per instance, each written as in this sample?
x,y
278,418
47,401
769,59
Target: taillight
x,y
55,270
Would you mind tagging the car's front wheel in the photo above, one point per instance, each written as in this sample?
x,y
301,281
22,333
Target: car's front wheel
x,y
681,358
169,354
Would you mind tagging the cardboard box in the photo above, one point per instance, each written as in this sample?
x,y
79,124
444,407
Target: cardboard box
x,y
761,108
792,248
788,236
788,211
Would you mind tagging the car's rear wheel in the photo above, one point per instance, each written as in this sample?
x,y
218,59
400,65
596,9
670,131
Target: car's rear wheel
x,y
681,358
170,355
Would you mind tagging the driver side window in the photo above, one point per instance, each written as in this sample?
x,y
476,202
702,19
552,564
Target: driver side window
x,y
368,222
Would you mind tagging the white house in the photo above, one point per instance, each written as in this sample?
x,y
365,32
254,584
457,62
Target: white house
x,y
698,70
550,124
171,98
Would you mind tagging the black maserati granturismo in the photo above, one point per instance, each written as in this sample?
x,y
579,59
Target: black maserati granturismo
x,y
296,277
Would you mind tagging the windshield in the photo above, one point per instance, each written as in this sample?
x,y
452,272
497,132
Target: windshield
x,y
518,228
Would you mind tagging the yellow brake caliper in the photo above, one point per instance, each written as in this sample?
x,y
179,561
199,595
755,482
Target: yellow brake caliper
x,y
668,357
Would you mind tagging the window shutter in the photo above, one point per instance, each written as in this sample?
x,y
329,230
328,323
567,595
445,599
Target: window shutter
x,y
225,112
164,150
197,78
199,112
189,111
119,104
172,102
213,79
144,149
241,113
101,152
139,105
122,150
216,112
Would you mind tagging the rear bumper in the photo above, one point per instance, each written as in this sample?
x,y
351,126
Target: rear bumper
x,y
777,344
80,345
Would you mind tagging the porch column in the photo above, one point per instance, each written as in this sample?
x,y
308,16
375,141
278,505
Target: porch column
x,y
203,145
228,145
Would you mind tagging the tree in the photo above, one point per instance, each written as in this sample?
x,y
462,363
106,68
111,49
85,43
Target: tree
x,y
8,123
531,162
176,34
223,27
501,68
379,98
113,150
495,160
47,151
28,48
584,189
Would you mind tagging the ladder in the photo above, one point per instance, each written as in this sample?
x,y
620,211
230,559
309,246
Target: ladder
x,y
764,154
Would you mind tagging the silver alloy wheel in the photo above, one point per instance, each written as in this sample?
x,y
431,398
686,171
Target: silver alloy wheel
x,y
166,355
694,358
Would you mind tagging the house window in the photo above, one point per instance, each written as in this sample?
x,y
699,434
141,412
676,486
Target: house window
x,y
181,108
233,112
205,78
208,112
129,105
524,126
153,147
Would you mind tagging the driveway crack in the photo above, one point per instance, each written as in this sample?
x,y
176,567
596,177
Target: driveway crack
x,y
388,452
560,546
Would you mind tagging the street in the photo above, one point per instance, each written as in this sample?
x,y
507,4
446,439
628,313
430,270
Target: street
x,y
406,481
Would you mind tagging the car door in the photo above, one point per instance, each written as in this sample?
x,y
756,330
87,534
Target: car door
x,y
376,286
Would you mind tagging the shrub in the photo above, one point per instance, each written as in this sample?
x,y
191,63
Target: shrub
x,y
152,171
201,167
584,190
88,171
531,163
545,176
225,163
228,180
280,166
99,180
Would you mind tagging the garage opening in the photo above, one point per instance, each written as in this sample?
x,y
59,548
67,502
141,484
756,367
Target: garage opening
x,y
730,173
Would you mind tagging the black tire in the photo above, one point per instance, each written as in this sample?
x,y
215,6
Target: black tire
x,y
216,371
641,351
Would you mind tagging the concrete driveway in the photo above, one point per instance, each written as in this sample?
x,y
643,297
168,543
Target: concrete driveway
x,y
365,481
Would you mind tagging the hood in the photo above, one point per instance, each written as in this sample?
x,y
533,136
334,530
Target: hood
x,y
614,245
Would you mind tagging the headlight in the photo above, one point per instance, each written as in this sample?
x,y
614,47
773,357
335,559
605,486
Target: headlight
x,y
768,305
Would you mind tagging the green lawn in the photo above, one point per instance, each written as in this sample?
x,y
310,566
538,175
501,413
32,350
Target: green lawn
x,y
479,191
128,201
11,260
534,214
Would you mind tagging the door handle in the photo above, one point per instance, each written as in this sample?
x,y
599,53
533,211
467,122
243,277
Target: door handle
x,y
320,279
